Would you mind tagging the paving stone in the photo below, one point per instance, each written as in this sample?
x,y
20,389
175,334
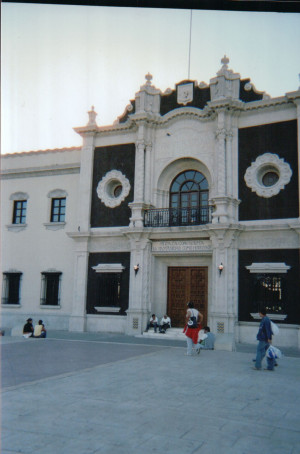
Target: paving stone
x,y
97,395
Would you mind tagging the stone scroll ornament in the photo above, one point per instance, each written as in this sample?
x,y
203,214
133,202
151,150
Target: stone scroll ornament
x,y
113,189
264,164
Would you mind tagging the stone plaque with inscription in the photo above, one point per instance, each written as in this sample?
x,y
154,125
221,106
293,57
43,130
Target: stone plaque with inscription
x,y
181,246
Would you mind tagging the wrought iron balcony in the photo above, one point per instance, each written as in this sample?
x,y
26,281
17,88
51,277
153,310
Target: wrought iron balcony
x,y
170,217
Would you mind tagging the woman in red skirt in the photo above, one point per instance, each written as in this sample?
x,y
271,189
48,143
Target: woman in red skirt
x,y
192,332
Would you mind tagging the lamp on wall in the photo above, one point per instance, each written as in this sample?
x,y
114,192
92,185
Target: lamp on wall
x,y
136,268
220,268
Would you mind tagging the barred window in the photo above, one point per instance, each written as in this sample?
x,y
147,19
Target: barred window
x,y
11,288
50,289
269,292
109,289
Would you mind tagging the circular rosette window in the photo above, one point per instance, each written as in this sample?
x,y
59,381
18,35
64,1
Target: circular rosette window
x,y
113,189
268,175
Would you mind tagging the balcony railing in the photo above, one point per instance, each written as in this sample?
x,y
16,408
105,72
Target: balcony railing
x,y
169,217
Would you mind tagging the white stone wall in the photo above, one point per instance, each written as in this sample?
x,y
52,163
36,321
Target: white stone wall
x,y
39,246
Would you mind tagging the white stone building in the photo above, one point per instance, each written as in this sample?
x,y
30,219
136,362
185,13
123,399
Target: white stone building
x,y
192,194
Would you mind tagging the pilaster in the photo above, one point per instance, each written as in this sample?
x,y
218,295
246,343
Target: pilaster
x,y
77,321
224,310
140,275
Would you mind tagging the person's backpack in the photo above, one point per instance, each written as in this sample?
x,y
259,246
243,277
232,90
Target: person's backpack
x,y
192,323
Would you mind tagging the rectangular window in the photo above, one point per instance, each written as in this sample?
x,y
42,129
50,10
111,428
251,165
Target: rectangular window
x,y
109,289
58,209
11,288
50,291
19,214
269,292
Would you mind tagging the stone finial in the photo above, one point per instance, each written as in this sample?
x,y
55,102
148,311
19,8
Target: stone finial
x,y
92,117
225,61
224,69
148,78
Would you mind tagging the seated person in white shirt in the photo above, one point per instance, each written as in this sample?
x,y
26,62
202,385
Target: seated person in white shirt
x,y
165,323
153,322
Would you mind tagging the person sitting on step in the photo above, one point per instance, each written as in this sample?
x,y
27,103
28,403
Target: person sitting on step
x,y
165,323
153,322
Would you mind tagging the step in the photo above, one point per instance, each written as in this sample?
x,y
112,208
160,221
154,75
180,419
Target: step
x,y
223,342
171,334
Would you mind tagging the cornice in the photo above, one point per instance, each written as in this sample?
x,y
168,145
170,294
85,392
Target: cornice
x,y
188,112
30,153
108,129
40,171
267,103
258,226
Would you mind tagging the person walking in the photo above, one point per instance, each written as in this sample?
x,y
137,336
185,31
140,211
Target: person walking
x,y
264,337
192,330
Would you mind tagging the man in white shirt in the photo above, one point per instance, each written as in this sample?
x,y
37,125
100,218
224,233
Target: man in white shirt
x,y
165,323
153,322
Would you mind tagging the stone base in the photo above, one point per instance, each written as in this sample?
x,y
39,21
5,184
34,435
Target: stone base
x,y
225,342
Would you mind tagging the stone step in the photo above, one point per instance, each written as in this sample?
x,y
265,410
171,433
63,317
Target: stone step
x,y
172,334
223,341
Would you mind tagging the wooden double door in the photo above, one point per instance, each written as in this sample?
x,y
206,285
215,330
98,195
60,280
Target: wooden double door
x,y
186,284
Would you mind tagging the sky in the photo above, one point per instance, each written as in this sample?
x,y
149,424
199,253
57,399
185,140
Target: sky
x,y
59,60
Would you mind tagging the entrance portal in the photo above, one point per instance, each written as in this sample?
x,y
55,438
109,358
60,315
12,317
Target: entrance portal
x,y
186,284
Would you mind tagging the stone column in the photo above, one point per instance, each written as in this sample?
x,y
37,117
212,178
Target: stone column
x,y
229,173
221,158
77,321
224,310
139,171
137,205
85,183
148,173
138,310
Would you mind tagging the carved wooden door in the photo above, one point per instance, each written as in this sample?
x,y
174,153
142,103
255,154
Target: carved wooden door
x,y
186,284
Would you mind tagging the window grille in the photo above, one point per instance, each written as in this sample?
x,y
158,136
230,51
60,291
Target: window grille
x,y
50,289
11,288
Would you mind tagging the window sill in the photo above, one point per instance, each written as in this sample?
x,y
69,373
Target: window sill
x,y
54,225
48,306
11,306
278,317
107,309
16,227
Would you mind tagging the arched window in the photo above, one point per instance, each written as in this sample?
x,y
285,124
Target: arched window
x,y
189,199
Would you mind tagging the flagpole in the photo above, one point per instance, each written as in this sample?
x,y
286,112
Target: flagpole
x,y
190,45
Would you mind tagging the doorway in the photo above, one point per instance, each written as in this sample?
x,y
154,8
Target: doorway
x,y
186,284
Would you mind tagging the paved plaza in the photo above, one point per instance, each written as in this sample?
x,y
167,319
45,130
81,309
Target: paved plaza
x,y
98,394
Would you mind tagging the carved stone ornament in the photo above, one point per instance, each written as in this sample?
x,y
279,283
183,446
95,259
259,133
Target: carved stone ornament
x,y
113,189
268,164
185,93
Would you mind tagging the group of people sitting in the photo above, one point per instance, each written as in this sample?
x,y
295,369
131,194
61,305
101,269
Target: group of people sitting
x,y
162,327
206,339
38,331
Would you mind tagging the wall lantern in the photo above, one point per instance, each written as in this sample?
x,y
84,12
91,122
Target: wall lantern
x,y
136,268
220,268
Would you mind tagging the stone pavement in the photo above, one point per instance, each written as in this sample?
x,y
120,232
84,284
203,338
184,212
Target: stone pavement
x,y
90,393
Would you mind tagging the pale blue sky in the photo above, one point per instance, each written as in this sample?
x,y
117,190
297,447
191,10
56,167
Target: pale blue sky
x,y
59,60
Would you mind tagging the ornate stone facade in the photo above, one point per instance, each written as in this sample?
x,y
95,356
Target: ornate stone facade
x,y
234,240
